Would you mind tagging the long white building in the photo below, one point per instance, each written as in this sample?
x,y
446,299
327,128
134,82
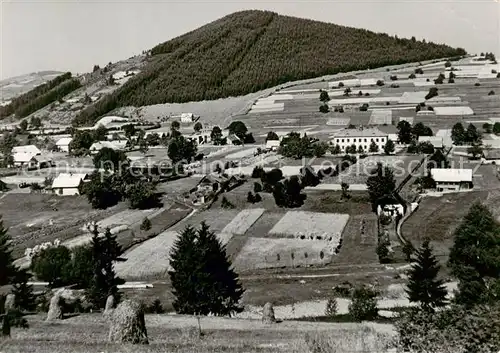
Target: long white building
x,y
360,137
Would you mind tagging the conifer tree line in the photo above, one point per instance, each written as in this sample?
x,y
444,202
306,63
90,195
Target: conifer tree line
x,y
40,96
252,50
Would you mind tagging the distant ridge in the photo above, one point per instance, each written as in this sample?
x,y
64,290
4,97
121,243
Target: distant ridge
x,y
252,50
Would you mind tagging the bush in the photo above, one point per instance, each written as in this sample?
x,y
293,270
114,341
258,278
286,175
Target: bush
x,y
324,108
394,77
491,93
250,197
363,304
380,83
146,224
412,76
258,172
364,107
477,84
419,71
257,187
156,307
226,204
331,307
52,265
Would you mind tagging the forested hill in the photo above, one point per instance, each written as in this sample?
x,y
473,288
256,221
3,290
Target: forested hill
x,y
252,50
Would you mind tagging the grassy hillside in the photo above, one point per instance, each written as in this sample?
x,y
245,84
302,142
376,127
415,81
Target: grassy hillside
x,y
40,96
252,50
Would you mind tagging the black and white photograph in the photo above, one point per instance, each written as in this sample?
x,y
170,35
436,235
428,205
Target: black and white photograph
x,y
215,176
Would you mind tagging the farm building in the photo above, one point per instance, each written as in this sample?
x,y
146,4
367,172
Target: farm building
x,y
31,161
63,144
215,183
232,139
452,179
68,184
360,138
199,138
272,145
187,118
32,149
116,145
491,157
436,141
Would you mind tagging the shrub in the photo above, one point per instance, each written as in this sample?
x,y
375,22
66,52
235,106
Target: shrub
x,y
491,93
250,197
324,108
52,265
364,107
146,224
226,204
363,304
258,172
257,198
477,84
394,77
447,64
257,187
412,76
419,70
331,307
380,83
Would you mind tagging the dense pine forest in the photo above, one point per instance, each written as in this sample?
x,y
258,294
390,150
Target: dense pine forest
x,y
252,50
40,96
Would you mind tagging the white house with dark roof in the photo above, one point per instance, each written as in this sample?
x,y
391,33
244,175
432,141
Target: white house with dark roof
x,y
115,145
68,184
31,161
360,138
449,179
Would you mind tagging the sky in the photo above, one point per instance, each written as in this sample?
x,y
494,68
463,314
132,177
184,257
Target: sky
x,y
73,35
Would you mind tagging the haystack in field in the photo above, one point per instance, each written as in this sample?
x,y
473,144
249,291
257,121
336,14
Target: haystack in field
x,y
268,314
110,305
55,310
127,324
10,302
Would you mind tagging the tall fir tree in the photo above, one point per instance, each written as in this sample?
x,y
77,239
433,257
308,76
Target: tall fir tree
x,y
380,183
201,275
424,286
475,257
25,299
7,268
104,281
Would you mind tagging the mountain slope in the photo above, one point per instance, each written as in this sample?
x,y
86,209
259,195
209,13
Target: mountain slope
x,y
252,50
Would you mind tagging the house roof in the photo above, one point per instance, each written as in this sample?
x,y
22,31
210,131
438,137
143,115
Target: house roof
x,y
26,149
272,143
451,175
64,141
369,132
22,157
68,180
491,154
116,145
436,141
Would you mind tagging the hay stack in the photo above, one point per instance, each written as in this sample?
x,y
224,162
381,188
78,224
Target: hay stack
x,y
127,324
268,314
55,310
110,305
10,302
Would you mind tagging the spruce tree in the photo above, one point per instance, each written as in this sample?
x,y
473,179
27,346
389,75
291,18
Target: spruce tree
x,y
7,268
104,281
202,279
424,287
25,299
475,257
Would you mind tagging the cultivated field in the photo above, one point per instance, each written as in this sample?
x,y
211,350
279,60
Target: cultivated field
x,y
151,258
438,217
311,225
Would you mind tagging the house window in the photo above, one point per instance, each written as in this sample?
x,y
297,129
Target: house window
x,y
60,191
376,140
347,140
353,140
342,140
338,140
365,140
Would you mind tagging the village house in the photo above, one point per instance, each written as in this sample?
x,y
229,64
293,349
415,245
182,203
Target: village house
x,y
491,157
32,149
272,145
360,138
63,144
115,145
452,179
187,118
68,184
436,141
31,161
